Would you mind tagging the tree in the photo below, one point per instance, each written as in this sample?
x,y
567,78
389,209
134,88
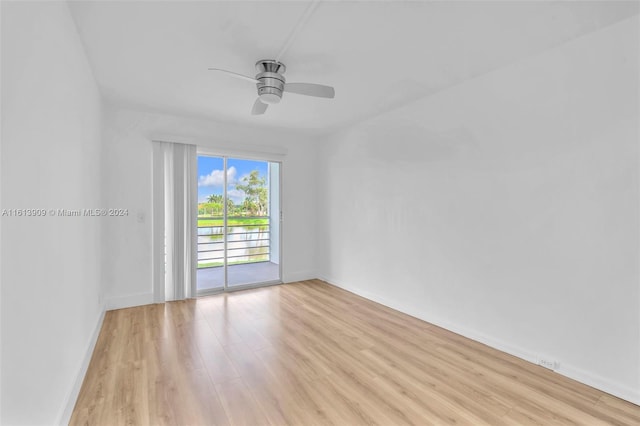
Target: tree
x,y
214,198
255,190
232,209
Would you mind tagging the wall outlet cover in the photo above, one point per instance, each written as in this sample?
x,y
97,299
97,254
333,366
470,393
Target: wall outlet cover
x,y
548,363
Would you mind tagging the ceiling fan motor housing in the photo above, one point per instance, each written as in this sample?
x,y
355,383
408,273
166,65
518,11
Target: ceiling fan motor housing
x,y
271,81
270,87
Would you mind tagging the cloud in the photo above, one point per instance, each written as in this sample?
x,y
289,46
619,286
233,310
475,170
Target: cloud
x,y
241,178
216,178
236,196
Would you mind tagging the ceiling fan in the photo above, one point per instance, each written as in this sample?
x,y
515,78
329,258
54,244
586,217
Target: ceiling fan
x,y
271,84
270,80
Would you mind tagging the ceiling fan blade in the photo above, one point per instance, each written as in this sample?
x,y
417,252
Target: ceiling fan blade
x,y
236,75
310,89
259,107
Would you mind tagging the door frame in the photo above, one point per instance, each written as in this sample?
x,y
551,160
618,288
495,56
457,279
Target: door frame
x,y
225,155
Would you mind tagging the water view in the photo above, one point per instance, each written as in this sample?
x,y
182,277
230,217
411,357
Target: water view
x,y
247,241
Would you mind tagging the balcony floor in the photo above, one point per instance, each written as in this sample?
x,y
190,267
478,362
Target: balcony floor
x,y
246,273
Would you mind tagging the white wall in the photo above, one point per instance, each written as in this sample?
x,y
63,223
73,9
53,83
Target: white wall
x,y
505,208
513,197
127,175
51,265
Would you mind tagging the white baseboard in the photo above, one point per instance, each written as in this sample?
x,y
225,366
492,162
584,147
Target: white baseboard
x,y
585,377
129,301
75,390
601,383
291,277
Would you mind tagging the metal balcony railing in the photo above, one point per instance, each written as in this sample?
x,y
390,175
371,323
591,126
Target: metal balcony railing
x,y
246,242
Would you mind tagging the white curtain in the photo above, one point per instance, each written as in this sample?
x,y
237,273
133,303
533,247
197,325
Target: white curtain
x,y
174,221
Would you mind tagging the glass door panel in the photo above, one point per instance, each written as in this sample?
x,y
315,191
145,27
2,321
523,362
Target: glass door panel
x,y
238,223
249,236
211,224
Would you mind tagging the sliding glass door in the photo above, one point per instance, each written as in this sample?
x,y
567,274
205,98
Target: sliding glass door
x,y
238,223
211,224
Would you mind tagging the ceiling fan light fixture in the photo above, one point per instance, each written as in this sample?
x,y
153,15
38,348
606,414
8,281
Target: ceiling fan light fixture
x,y
269,98
270,86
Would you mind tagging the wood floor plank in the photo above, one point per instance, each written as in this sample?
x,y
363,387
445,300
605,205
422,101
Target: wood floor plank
x,y
444,398
292,392
218,365
339,406
240,405
622,411
309,353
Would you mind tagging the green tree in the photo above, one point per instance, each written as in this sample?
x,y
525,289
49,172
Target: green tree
x,y
232,209
209,209
255,189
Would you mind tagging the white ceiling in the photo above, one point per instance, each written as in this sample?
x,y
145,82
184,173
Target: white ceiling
x,y
377,55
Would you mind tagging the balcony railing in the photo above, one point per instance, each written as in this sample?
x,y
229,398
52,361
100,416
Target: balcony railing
x,y
248,240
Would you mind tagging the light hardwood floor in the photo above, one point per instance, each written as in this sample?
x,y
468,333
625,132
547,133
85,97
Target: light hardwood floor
x,y
311,354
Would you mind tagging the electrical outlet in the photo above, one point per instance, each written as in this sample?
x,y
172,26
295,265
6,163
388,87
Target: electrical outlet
x,y
547,363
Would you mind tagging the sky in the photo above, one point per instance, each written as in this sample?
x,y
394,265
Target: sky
x,y
211,176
